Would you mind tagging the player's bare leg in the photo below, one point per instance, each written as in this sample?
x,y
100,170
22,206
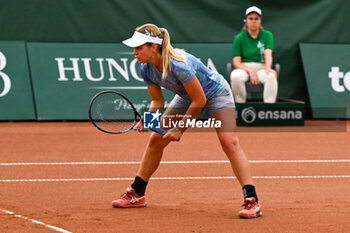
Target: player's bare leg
x,y
239,162
152,156
135,196
230,144
154,151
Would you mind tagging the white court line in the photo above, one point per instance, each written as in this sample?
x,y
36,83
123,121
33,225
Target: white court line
x,y
174,162
34,221
175,178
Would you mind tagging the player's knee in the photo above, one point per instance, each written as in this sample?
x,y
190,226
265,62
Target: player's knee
x,y
231,145
156,140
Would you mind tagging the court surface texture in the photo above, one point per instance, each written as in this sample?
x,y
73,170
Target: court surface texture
x,y
62,177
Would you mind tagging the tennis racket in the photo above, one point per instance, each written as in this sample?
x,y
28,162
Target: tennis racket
x,y
111,112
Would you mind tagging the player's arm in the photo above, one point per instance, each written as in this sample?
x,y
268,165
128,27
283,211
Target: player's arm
x,y
196,93
157,97
157,103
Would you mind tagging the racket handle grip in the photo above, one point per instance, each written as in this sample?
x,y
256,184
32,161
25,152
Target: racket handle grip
x,y
162,132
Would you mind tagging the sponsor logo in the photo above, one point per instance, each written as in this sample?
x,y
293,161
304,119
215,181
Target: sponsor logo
x,y
249,115
122,70
280,114
339,81
122,104
4,77
69,69
135,199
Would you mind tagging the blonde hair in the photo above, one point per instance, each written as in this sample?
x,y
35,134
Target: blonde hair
x,y
166,50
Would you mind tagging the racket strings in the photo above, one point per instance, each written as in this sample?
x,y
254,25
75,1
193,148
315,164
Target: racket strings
x,y
111,112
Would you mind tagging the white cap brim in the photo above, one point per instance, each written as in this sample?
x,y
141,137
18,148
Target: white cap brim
x,y
139,39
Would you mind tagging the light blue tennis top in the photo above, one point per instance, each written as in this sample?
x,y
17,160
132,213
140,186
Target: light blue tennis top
x,y
181,73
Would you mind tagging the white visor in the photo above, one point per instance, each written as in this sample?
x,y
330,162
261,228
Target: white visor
x,y
139,39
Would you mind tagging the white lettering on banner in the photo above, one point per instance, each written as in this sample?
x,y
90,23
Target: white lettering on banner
x,y
88,69
6,79
133,70
335,75
62,69
124,72
112,65
122,104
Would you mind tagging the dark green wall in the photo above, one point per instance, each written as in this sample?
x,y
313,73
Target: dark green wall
x,y
189,21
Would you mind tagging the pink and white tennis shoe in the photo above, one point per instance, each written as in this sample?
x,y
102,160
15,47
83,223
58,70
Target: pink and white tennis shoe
x,y
251,208
130,199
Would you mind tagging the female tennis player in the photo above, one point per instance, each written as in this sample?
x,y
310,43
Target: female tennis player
x,y
196,88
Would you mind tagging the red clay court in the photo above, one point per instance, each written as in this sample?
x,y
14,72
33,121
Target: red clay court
x,y
62,177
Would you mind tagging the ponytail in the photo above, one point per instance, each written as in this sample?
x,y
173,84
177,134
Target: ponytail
x,y
166,50
168,53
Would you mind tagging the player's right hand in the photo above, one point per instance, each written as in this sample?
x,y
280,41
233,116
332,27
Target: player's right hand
x,y
139,125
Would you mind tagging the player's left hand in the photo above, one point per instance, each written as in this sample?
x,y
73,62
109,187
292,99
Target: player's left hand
x,y
173,135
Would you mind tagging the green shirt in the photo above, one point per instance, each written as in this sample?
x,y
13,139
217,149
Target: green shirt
x,y
252,50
